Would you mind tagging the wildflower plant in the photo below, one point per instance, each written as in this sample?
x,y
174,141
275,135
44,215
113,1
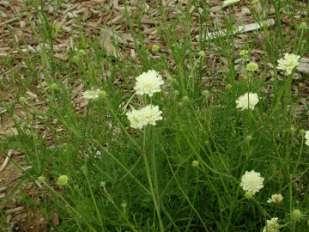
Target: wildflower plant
x,y
182,146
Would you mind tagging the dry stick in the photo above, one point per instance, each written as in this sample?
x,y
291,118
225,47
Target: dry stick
x,y
115,4
6,161
13,19
303,66
227,3
14,210
2,193
241,29
10,21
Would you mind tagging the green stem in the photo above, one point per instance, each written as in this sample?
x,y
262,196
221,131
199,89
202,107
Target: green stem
x,y
152,189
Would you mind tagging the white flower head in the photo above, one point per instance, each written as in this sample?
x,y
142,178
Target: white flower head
x,y
251,182
247,101
93,94
272,225
307,137
147,115
275,198
148,83
288,63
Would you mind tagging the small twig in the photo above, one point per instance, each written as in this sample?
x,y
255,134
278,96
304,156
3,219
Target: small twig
x,y
9,21
12,19
6,161
227,3
70,9
303,66
2,110
17,209
115,4
26,168
241,29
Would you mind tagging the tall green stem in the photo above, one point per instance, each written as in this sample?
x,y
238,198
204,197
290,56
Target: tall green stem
x,y
151,186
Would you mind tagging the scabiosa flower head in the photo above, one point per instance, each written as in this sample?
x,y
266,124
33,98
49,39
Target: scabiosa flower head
x,y
251,183
148,83
272,225
93,94
247,101
288,63
275,198
147,115
307,137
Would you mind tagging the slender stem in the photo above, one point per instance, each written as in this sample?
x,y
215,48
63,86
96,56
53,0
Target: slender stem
x,y
123,166
121,213
95,203
152,190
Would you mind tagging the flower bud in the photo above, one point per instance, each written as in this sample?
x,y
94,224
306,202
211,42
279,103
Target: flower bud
x,y
155,48
201,53
205,93
195,163
296,215
62,180
252,67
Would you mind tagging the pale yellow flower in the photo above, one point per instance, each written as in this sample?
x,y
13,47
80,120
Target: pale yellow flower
x,y
288,63
251,183
148,83
272,225
275,198
147,115
247,101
